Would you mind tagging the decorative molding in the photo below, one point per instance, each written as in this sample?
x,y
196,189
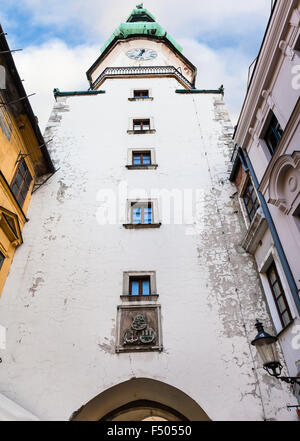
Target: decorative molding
x,y
141,71
284,182
9,224
295,19
265,94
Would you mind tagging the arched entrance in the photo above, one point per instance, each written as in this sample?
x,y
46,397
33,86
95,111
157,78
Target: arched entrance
x,y
141,399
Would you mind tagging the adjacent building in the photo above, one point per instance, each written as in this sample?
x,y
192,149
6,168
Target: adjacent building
x,y
266,171
24,164
131,297
24,158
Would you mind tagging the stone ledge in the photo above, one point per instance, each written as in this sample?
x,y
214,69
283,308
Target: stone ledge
x,y
149,298
142,167
140,226
141,132
256,232
141,99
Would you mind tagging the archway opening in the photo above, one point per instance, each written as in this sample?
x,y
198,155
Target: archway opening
x,y
141,399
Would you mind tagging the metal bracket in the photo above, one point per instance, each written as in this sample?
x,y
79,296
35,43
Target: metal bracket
x,y
38,186
16,101
24,155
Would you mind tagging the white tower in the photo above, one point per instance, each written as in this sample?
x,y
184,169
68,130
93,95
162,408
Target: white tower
x,y
131,295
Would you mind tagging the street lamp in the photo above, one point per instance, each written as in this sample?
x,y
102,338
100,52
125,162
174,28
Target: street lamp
x,y
266,347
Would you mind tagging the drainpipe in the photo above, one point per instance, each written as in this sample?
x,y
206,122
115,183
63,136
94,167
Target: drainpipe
x,y
280,251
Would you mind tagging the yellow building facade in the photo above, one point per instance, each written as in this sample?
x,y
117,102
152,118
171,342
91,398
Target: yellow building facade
x,y
24,158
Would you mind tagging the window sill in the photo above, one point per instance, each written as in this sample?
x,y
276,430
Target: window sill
x,y
285,328
142,167
140,226
150,298
141,99
255,232
141,132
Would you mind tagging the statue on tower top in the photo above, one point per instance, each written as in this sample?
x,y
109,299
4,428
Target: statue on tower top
x,y
140,6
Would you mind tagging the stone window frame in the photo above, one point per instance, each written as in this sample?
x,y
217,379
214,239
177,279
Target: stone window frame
x,y
126,296
270,113
131,166
270,257
282,294
132,97
24,182
243,188
131,130
155,214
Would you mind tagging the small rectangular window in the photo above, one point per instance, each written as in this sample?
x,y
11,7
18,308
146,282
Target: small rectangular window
x,y
250,200
141,158
273,135
2,258
279,296
21,183
139,286
140,94
141,213
141,124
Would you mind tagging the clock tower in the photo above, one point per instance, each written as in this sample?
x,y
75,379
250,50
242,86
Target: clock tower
x,y
138,300
141,47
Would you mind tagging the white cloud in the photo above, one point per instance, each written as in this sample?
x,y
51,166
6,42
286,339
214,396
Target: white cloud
x,y
55,64
102,17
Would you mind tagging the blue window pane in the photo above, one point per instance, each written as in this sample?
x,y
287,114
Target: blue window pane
x,y
136,215
148,215
146,159
146,288
137,160
135,288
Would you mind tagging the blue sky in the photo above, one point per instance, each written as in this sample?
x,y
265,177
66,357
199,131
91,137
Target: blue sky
x,y
63,38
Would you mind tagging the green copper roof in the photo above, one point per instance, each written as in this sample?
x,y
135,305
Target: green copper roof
x,y
140,14
140,22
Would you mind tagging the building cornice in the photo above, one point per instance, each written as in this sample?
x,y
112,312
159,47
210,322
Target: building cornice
x,y
268,59
143,72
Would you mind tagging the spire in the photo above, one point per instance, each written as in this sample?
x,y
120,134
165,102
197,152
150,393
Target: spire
x,y
140,22
140,14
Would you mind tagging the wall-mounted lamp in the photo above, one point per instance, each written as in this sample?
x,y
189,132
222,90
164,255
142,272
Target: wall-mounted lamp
x,y
266,347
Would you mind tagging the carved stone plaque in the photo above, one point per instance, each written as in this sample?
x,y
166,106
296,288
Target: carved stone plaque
x,y
139,328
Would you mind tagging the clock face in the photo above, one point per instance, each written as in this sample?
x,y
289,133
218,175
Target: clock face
x,y
141,54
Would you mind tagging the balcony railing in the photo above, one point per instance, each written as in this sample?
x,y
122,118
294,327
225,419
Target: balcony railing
x,y
111,72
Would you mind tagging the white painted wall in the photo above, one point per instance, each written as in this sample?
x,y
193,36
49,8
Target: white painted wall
x,y
60,302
